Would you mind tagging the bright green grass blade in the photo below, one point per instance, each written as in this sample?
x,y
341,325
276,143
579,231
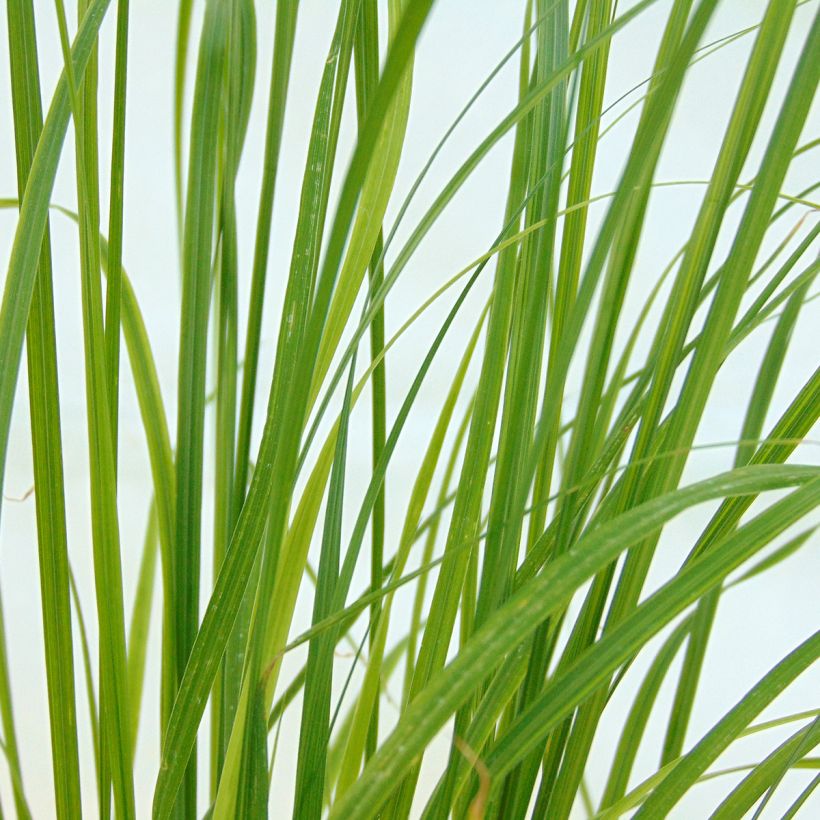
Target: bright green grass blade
x,y
159,450
115,767
795,422
21,276
793,425
337,747
695,762
497,697
612,297
427,553
372,492
508,667
475,738
366,64
238,92
46,445
586,455
230,585
466,509
113,292
287,697
529,101
615,385
751,788
155,426
180,73
466,270
529,315
704,366
584,148
780,554
349,613
370,687
153,416
636,797
729,154
614,286
635,725
568,689
280,74
528,608
314,733
701,373
196,285
296,310
683,703
377,299
770,369
288,587
633,174
253,799
774,166
636,176
536,276
15,781
752,428
375,196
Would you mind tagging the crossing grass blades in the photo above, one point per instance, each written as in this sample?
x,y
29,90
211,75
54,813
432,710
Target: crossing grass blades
x,y
512,602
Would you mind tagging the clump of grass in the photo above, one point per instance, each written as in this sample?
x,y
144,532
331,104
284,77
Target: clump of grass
x,y
555,462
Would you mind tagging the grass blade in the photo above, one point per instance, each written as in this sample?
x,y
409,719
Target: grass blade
x,y
695,762
46,445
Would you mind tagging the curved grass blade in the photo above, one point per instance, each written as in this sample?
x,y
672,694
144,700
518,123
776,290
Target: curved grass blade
x,y
730,288
752,428
695,762
524,612
570,688
159,448
369,690
635,725
769,771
